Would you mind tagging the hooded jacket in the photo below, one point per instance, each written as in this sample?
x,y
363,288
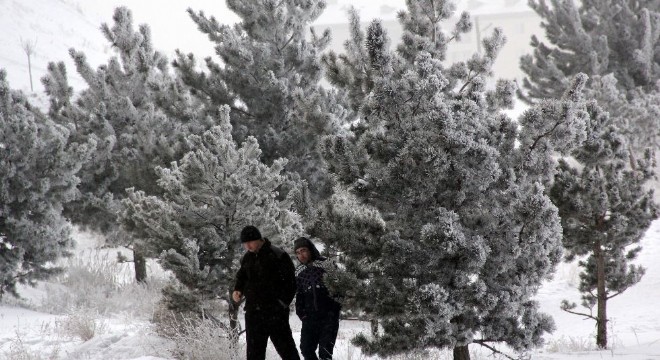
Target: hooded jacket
x,y
312,296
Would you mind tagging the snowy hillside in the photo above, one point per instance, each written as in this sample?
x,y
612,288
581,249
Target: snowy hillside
x,y
52,27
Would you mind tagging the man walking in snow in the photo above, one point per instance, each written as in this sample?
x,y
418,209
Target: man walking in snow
x,y
315,307
267,280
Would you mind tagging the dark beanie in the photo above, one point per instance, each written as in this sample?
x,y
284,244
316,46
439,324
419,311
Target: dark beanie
x,y
250,233
301,242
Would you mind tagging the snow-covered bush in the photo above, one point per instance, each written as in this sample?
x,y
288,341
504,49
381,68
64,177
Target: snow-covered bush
x,y
568,344
94,280
81,324
201,340
20,350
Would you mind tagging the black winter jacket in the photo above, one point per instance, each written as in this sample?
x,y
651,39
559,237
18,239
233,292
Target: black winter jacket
x,y
312,296
266,279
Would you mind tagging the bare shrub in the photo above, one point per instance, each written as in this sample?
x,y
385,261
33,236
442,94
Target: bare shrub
x,y
195,338
568,344
29,48
94,280
90,278
83,325
138,299
19,350
569,272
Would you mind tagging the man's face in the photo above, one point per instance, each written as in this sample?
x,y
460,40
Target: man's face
x,y
253,246
303,255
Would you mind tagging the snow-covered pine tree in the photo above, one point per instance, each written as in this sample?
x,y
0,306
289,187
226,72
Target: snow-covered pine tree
x,y
37,177
270,77
605,208
614,41
137,112
600,37
440,217
208,196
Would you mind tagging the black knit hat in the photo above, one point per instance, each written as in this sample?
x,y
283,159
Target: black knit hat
x,y
250,233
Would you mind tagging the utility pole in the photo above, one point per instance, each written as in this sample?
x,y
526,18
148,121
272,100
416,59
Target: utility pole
x,y
478,31
29,47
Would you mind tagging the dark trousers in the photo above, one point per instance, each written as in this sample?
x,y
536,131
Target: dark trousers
x,y
319,331
260,325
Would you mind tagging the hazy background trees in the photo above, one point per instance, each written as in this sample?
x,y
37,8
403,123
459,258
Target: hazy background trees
x,y
598,38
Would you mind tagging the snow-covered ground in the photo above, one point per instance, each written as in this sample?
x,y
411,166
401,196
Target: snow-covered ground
x,y
634,331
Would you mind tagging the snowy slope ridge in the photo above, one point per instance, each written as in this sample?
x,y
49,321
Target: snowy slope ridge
x,y
55,26
40,23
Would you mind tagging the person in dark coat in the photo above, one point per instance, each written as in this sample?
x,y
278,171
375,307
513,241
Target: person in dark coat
x,y
267,281
316,308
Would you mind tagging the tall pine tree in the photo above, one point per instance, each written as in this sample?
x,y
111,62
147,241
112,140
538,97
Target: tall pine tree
x,y
137,112
270,77
208,196
440,215
605,208
37,177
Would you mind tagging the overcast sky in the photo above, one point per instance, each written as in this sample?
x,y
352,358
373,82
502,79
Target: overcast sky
x,y
172,27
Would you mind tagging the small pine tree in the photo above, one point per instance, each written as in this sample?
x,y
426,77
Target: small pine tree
x,y
440,215
208,196
37,177
605,210
270,77
603,203
138,114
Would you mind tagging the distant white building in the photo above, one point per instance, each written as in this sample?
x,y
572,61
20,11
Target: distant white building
x,y
514,17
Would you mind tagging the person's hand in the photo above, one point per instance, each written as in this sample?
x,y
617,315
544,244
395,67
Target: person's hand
x,y
236,295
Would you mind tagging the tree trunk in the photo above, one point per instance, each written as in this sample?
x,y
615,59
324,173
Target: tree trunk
x,y
30,72
461,353
601,297
140,264
374,327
